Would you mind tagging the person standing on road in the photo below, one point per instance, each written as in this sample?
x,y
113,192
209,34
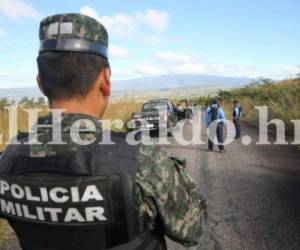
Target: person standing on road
x,y
215,120
236,115
83,194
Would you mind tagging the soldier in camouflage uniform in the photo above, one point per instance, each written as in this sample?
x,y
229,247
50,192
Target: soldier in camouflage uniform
x,y
145,193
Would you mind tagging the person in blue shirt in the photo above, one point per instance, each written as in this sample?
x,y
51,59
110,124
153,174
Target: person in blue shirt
x,y
215,113
236,115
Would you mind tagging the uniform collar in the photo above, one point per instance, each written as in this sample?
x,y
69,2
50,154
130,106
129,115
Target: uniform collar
x,y
82,121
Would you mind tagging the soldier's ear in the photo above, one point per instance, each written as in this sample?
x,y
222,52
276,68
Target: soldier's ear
x,y
106,77
38,80
103,82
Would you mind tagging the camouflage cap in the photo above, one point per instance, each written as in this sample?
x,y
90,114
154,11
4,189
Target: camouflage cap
x,y
73,32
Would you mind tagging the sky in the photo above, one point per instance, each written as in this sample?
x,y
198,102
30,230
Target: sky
x,y
242,38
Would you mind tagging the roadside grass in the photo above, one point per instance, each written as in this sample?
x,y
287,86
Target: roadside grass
x,y
121,110
21,126
116,110
5,233
282,100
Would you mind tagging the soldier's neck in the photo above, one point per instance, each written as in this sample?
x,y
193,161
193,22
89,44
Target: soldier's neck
x,y
77,107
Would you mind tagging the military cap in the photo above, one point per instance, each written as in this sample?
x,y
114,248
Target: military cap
x,y
73,32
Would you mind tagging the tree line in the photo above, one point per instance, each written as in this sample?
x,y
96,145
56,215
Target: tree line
x,y
25,102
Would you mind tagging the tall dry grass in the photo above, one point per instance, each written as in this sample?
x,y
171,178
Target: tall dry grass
x,y
116,110
121,110
22,123
282,100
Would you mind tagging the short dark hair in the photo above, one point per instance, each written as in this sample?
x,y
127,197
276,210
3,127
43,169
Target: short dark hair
x,y
235,102
65,75
214,101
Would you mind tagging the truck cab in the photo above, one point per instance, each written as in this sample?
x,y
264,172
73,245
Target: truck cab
x,y
157,114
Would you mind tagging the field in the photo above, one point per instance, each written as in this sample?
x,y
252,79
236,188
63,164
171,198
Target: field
x,y
121,110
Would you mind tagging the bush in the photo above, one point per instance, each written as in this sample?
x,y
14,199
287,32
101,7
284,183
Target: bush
x,y
282,99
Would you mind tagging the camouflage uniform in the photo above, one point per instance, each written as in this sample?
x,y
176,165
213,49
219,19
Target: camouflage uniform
x,y
166,195
73,32
167,191
82,27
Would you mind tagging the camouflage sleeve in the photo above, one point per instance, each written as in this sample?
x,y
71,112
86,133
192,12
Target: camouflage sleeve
x,y
168,197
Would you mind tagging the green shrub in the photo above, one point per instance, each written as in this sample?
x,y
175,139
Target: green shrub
x,y
282,99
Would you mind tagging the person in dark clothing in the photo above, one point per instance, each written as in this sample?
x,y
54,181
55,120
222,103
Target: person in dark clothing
x,y
236,114
215,113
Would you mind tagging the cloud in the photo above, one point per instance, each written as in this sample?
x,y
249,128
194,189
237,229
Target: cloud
x,y
273,71
118,53
17,10
10,79
147,70
187,68
171,57
183,63
125,25
234,70
121,74
177,40
150,39
89,11
217,69
154,19
277,72
285,71
119,24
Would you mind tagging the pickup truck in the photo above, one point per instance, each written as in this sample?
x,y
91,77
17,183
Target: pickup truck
x,y
161,114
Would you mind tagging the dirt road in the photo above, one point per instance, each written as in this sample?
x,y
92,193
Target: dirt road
x,y
253,194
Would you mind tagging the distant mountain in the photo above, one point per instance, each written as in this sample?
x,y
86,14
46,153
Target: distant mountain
x,y
18,93
157,83
179,81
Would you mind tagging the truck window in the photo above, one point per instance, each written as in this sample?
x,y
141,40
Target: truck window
x,y
155,106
